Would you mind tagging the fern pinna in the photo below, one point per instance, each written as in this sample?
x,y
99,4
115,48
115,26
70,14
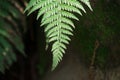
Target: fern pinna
x,y
57,15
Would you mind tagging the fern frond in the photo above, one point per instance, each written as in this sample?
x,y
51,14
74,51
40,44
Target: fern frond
x,y
10,34
57,15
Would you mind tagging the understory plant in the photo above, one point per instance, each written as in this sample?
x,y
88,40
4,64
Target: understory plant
x,y
57,20
11,32
57,17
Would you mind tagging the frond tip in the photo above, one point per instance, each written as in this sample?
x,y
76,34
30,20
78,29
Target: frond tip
x,y
57,15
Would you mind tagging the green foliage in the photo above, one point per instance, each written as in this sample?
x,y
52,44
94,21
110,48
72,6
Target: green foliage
x,y
57,15
57,19
10,35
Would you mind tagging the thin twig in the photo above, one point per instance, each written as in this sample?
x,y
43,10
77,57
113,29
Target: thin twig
x,y
91,69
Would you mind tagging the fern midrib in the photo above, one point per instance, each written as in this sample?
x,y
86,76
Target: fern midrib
x,y
60,21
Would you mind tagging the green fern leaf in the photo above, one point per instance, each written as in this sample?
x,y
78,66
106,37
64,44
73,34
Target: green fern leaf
x,y
57,15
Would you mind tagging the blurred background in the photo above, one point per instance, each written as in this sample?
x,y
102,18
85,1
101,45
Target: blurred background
x,y
93,53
